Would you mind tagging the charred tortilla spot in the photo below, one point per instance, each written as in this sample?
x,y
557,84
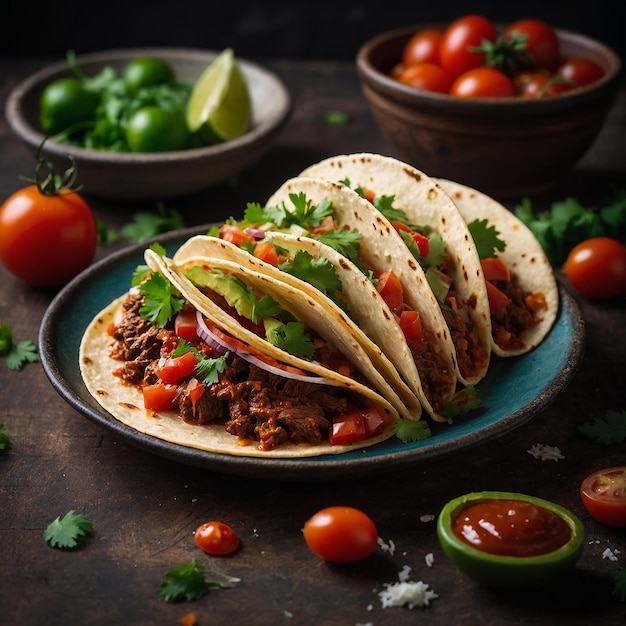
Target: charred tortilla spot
x,y
344,265
412,264
413,174
102,392
129,406
470,303
87,360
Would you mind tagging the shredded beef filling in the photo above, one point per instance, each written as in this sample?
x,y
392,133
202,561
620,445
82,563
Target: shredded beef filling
x,y
433,373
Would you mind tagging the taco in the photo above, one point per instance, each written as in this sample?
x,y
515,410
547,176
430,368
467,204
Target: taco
x,y
410,327
168,361
311,259
437,236
521,286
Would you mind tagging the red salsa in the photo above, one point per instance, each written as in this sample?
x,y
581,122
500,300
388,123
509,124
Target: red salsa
x,y
511,528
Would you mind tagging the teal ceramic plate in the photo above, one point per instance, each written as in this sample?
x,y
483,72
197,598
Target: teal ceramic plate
x,y
537,378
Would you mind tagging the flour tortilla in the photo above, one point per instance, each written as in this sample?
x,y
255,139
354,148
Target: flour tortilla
x,y
425,204
523,255
357,293
382,248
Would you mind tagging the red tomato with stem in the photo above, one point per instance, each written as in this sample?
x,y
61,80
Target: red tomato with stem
x,y
604,495
341,534
540,84
580,71
542,43
48,233
216,538
426,76
483,82
460,38
423,47
596,268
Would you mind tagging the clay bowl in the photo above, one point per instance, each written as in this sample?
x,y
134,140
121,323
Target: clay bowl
x,y
164,174
505,147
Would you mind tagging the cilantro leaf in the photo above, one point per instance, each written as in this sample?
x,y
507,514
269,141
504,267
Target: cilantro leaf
x,y
408,430
486,238
17,354
290,337
208,369
620,585
607,431
64,531
148,224
461,403
317,271
306,214
5,442
162,300
189,582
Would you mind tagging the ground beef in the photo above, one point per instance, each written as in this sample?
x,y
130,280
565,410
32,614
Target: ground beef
x,y
471,356
510,323
433,372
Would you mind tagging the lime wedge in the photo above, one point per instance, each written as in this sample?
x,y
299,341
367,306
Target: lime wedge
x,y
219,104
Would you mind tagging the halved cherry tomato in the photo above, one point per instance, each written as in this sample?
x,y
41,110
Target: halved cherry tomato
x,y
266,251
391,290
458,40
186,325
596,267
483,82
498,300
542,43
604,495
216,538
348,428
411,325
495,269
422,47
177,368
580,71
234,234
426,76
341,534
159,397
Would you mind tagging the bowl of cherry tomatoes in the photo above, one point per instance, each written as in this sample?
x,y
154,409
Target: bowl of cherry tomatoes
x,y
504,108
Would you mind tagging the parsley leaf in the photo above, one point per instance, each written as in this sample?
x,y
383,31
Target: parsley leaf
x,y
486,239
5,442
17,354
64,531
189,582
620,585
407,430
162,300
607,431
148,224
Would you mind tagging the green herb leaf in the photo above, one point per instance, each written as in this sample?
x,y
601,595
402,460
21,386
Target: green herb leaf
x,y
336,118
620,585
608,431
317,271
486,239
189,582
461,403
5,442
17,354
407,430
64,531
147,224
162,300
208,370
290,337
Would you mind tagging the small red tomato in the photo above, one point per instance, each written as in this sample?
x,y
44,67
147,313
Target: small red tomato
x,y
596,268
422,47
482,82
426,76
539,84
580,72
604,495
216,538
341,534
542,43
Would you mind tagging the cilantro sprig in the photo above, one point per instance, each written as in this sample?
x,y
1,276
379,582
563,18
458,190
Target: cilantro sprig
x,y
207,368
5,442
609,430
162,300
17,354
486,237
149,224
189,582
407,430
65,531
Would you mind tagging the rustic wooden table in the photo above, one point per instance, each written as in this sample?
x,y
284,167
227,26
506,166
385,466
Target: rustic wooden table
x,y
144,508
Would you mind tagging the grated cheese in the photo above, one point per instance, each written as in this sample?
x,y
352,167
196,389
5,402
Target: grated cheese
x,y
610,554
545,453
405,592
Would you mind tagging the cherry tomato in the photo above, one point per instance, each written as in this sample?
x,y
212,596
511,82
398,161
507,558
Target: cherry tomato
x,y
459,38
580,71
422,47
341,534
542,43
426,76
596,268
391,290
151,129
483,82
604,495
46,240
65,102
539,84
216,538
147,72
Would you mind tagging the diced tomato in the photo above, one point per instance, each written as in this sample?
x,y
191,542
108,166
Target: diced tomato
x,y
495,269
234,234
421,240
368,194
266,251
186,326
375,419
348,428
328,224
196,390
411,325
391,290
498,300
177,368
159,397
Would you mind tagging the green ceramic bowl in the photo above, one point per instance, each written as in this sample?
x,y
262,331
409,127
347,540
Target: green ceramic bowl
x,y
507,571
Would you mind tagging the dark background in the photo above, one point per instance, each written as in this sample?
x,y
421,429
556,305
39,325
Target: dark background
x,y
271,29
